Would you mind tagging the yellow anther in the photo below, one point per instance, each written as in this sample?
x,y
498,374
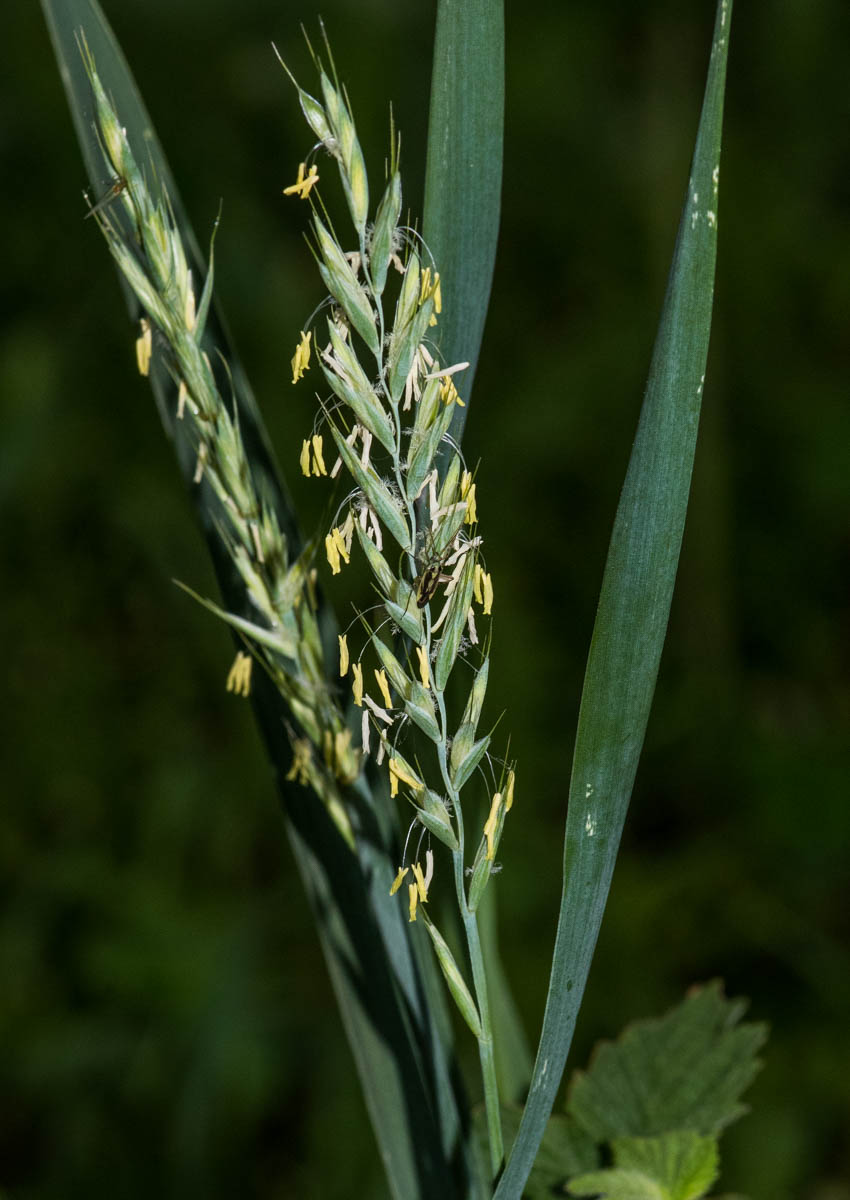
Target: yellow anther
x,y
343,655
303,183
421,885
471,507
509,790
482,589
490,826
398,768
304,458
381,677
424,674
357,684
488,594
239,678
402,871
144,346
448,393
339,540
425,285
301,357
413,900
332,551
401,773
319,467
300,762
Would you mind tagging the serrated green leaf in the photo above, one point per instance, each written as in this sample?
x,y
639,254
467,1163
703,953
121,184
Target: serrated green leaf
x,y
616,1183
682,1162
680,1165
684,1070
631,619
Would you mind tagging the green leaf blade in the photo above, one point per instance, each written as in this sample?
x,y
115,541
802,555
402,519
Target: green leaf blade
x,y
463,177
633,610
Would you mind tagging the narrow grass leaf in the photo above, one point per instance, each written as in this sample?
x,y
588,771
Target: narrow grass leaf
x,y
463,175
632,618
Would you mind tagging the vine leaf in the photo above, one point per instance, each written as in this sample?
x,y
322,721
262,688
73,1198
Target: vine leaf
x,y
685,1070
676,1166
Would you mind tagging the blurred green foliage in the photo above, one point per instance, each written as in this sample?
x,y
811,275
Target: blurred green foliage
x,y
166,1023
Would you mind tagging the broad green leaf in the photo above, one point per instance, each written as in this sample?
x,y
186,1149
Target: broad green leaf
x,y
617,1183
685,1164
632,617
463,179
685,1070
386,984
677,1166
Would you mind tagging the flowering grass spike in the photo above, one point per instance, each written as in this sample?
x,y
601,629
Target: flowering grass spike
x,y
412,510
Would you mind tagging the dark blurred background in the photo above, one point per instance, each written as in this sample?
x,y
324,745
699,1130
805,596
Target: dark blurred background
x,y
166,1023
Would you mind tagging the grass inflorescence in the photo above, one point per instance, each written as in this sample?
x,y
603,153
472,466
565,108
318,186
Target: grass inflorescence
x,y
411,510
